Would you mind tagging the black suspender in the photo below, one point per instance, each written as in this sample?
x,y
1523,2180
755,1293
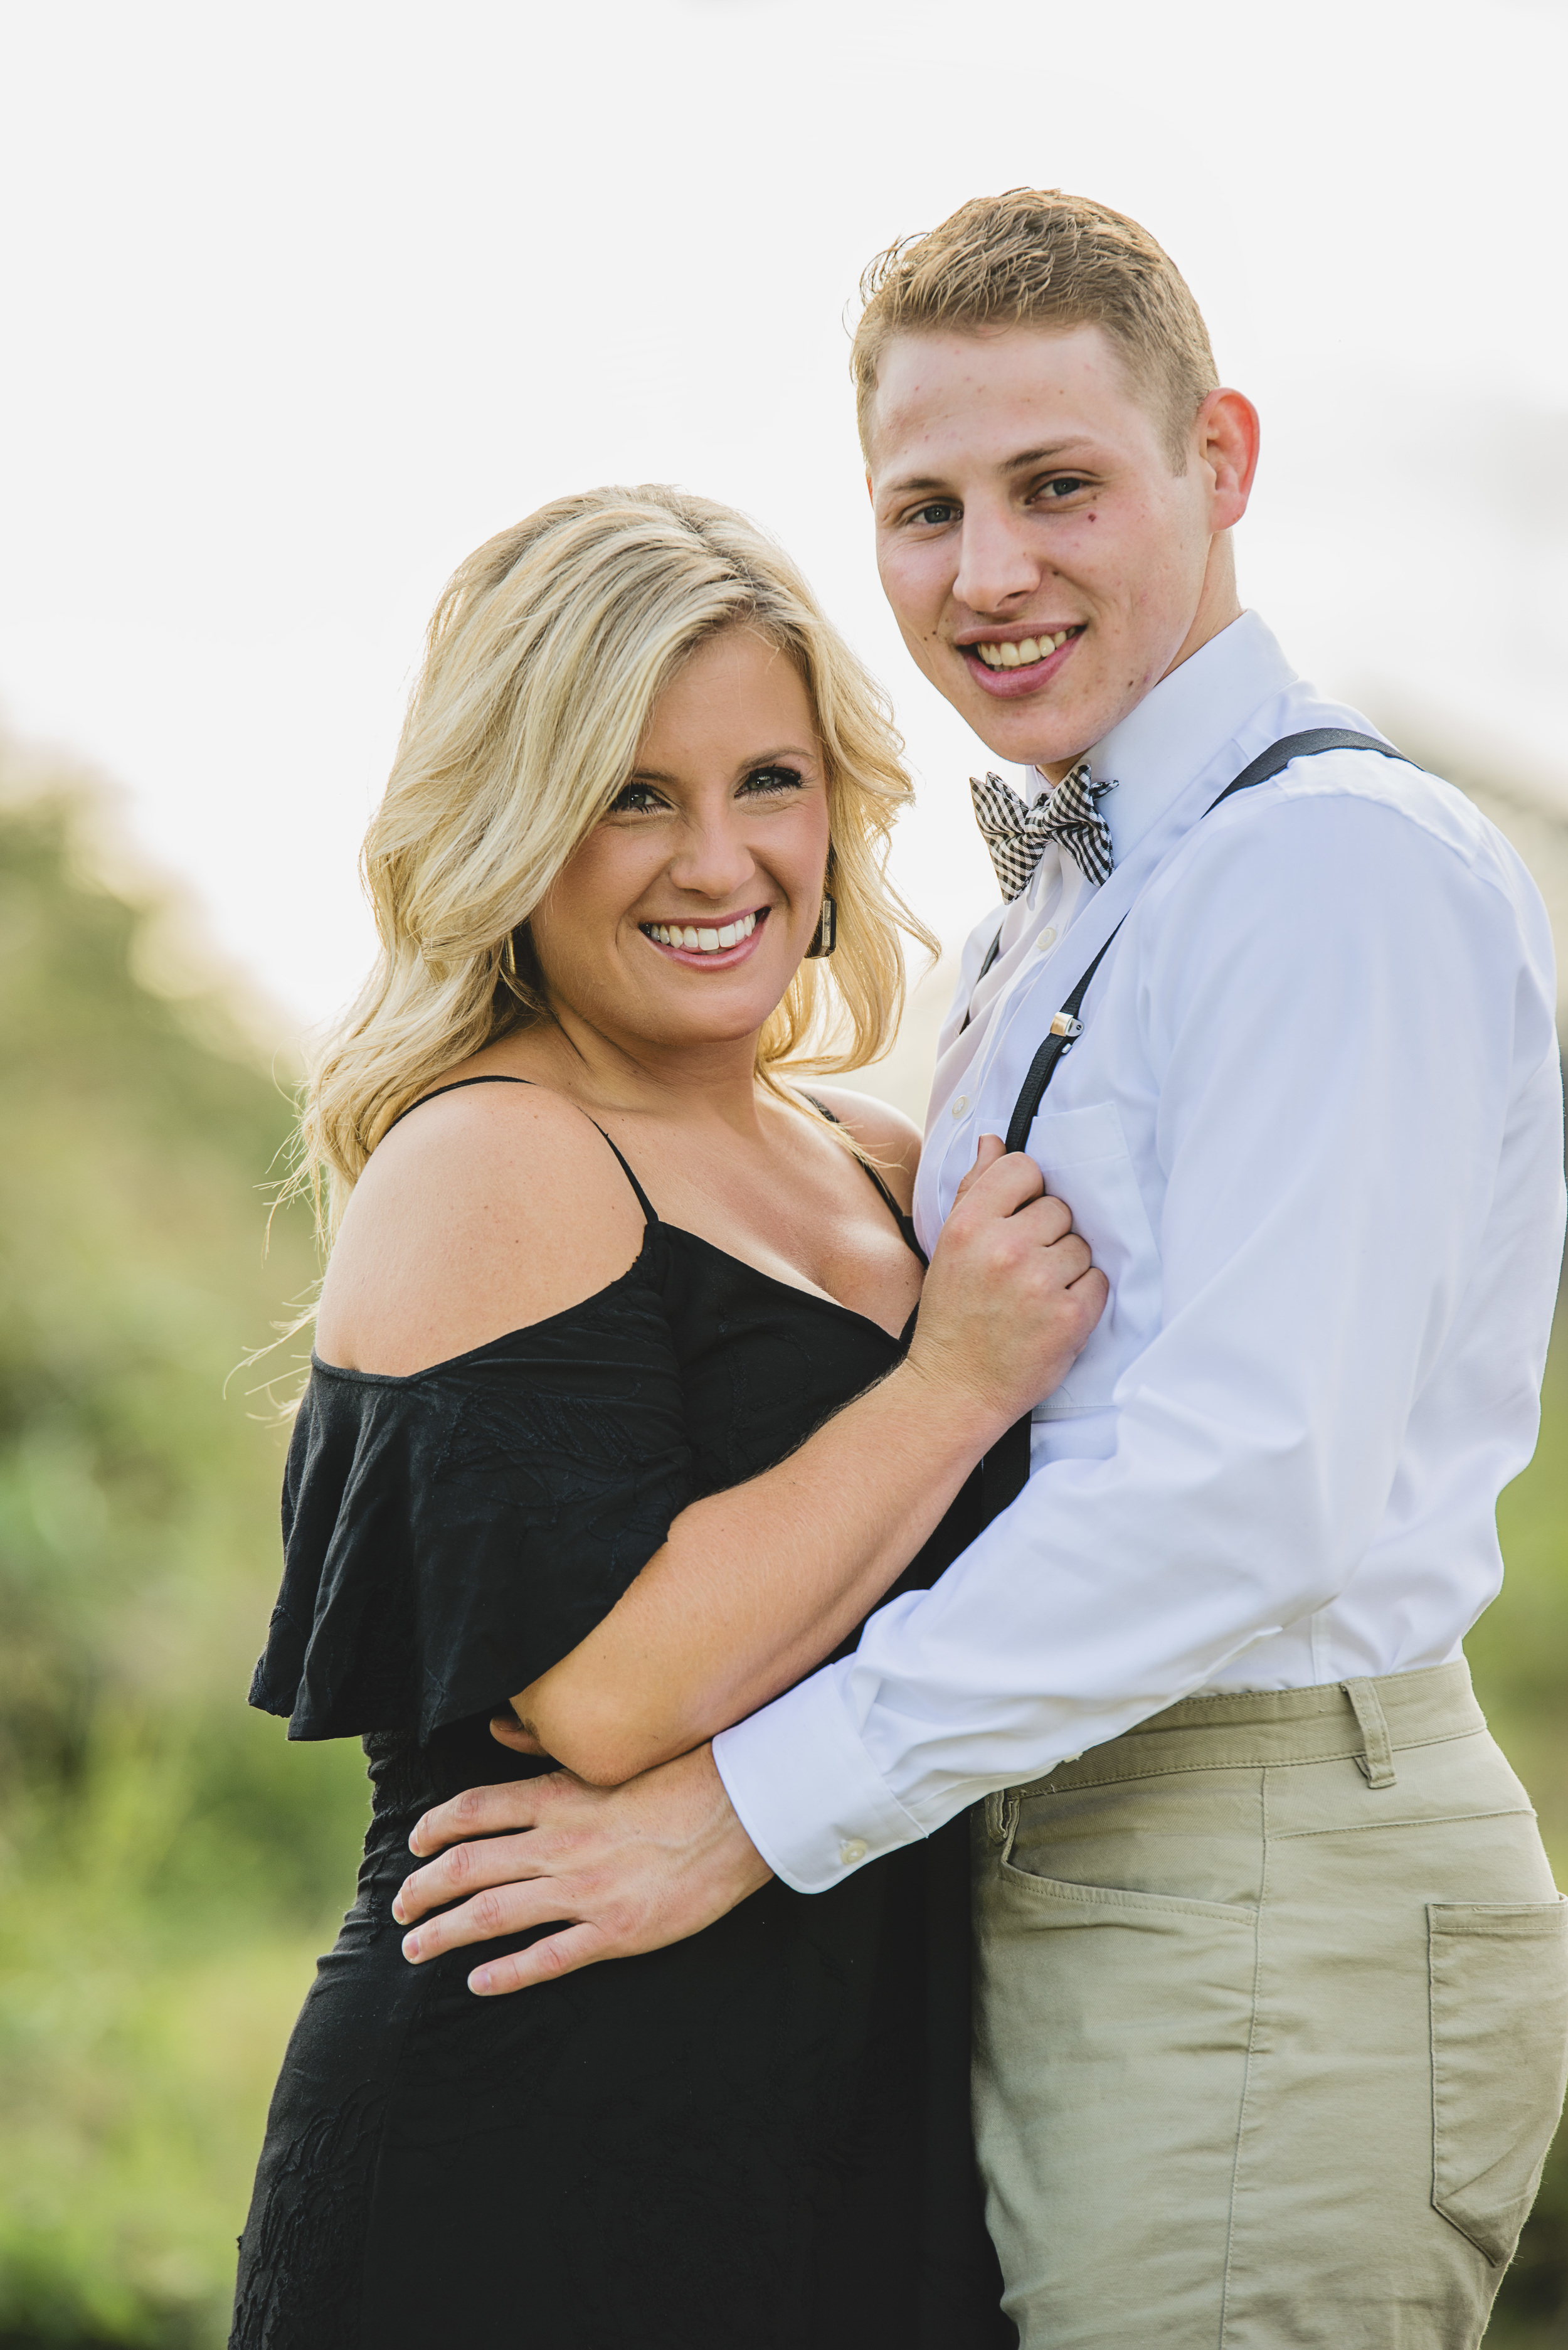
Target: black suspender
x,y
1004,1471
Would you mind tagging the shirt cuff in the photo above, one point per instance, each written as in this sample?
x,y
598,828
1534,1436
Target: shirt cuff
x,y
804,1789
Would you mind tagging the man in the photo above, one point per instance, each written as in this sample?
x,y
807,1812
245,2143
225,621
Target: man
x,y
1272,1988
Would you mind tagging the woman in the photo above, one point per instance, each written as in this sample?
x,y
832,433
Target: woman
x,y
603,1283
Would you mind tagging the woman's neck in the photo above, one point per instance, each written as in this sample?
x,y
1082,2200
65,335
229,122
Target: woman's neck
x,y
713,1081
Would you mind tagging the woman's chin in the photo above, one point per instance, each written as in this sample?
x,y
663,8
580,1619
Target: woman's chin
x,y
733,1015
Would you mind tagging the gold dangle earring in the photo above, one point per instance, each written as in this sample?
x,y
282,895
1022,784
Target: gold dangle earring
x,y
824,938
509,967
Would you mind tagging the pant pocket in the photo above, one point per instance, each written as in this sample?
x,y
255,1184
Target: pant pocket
x,y
1498,1984
1117,1904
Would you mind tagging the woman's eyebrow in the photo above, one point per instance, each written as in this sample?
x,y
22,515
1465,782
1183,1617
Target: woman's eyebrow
x,y
779,751
753,759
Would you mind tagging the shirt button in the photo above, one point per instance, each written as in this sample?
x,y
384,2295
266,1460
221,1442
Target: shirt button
x,y
852,1851
961,1103
1046,939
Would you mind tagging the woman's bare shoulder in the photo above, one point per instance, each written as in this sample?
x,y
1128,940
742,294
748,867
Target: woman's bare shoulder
x,y
888,1139
485,1208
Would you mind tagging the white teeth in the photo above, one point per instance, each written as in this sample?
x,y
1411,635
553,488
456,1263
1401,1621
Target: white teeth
x,y
1019,656
702,942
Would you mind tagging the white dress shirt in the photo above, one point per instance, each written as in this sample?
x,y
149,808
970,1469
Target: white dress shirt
x,y
1313,1131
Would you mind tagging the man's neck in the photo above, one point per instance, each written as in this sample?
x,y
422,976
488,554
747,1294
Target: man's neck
x,y
1218,605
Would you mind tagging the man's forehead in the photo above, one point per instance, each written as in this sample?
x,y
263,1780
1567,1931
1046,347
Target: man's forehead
x,y
1008,398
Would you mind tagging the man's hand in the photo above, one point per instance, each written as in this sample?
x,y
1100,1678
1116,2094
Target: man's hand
x,y
632,1868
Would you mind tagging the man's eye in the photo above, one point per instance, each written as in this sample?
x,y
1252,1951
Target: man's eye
x,y
940,510
635,799
1065,485
765,780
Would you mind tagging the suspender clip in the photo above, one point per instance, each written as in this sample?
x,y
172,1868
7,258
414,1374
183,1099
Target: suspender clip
x,y
1064,1025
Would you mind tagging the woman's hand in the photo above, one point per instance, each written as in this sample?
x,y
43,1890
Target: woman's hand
x,y
757,1582
1012,1294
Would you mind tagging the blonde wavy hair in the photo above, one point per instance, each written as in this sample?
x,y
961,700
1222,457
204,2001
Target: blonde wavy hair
x,y
542,662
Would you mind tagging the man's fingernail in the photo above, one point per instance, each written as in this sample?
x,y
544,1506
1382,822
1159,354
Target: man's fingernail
x,y
397,1910
411,1946
479,1979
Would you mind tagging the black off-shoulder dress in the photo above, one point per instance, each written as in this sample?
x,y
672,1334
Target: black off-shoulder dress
x,y
757,2140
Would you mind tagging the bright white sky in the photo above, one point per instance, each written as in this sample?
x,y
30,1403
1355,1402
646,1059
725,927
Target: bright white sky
x,y
302,303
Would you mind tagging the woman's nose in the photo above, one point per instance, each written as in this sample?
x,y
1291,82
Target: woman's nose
x,y
712,860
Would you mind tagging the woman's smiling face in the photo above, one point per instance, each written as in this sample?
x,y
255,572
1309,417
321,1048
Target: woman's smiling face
x,y
685,915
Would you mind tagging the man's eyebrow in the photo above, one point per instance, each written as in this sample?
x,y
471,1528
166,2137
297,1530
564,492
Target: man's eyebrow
x,y
1042,456
1051,448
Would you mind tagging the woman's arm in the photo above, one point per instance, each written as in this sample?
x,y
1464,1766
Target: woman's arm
x,y
496,1208
757,1585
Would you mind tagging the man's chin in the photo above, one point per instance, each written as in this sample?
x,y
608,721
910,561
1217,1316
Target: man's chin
x,y
1035,732
1047,727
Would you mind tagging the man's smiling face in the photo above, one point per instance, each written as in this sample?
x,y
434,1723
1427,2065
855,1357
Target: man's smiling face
x,y
1046,565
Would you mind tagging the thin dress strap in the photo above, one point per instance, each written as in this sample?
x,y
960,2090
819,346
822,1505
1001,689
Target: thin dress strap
x,y
643,1202
456,1086
906,1224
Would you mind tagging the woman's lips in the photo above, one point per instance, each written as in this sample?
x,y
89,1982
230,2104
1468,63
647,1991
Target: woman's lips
x,y
1012,684
700,957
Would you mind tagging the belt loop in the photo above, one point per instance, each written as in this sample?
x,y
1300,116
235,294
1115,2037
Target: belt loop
x,y
1377,1757
1001,1819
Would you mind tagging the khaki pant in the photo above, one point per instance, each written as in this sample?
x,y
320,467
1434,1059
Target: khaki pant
x,y
1271,2025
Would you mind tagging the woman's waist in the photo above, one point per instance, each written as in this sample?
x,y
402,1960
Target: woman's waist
x,y
409,1776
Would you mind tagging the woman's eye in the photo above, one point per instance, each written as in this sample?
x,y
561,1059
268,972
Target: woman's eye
x,y
635,799
765,780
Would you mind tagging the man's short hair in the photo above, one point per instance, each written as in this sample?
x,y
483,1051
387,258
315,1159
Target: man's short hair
x,y
1036,257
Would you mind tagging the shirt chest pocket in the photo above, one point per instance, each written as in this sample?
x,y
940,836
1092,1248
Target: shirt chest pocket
x,y
1083,1157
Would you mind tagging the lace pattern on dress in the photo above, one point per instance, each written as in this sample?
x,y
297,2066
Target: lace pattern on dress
x,y
302,2255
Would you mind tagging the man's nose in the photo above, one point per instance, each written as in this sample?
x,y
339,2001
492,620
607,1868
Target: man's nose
x,y
997,564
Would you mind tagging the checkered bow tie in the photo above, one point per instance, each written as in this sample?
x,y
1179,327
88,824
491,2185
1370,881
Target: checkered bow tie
x,y
1015,833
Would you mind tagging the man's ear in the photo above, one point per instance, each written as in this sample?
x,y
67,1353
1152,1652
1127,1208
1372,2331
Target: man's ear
x,y
869,491
1227,436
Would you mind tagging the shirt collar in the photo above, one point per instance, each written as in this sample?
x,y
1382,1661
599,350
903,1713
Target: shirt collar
x,y
1177,727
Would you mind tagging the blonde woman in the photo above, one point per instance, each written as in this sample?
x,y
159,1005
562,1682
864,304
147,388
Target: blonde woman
x,y
616,1418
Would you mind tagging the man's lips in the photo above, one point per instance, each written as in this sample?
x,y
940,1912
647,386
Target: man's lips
x,y
1009,684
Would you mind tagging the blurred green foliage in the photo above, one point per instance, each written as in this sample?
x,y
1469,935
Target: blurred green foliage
x,y
1519,1656
169,1866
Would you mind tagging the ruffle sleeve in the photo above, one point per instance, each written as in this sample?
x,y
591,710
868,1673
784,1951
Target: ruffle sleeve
x,y
449,1536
